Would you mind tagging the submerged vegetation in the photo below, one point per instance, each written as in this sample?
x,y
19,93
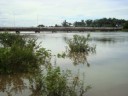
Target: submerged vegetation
x,y
78,58
53,82
78,49
80,44
62,83
21,54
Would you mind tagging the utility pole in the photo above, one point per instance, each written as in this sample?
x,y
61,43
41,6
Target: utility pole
x,y
13,19
37,19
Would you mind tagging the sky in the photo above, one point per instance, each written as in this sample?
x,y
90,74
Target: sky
x,y
50,12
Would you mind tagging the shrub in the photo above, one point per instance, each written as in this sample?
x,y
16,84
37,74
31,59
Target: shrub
x,y
61,83
7,40
80,44
20,54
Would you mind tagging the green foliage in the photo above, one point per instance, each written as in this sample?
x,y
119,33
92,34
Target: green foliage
x,y
18,54
78,49
61,83
56,83
125,25
23,55
89,23
80,24
103,22
41,25
78,58
44,56
66,24
63,55
49,82
106,22
80,44
7,40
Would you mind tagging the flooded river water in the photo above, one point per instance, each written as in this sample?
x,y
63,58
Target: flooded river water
x,y
106,70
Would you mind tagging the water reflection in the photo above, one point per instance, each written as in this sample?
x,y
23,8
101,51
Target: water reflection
x,y
17,84
78,58
36,85
111,54
109,57
104,40
40,84
12,84
78,49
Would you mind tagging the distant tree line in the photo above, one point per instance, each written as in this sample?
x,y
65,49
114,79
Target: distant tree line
x,y
126,25
103,22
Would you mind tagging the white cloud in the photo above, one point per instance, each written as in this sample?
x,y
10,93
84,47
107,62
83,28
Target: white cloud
x,y
50,12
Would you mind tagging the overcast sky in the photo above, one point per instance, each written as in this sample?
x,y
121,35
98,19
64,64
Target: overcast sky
x,y
50,12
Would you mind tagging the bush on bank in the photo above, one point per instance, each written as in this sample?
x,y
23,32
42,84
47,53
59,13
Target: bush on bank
x,y
20,54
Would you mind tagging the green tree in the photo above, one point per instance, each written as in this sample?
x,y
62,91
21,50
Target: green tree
x,y
89,23
79,24
125,25
65,24
41,25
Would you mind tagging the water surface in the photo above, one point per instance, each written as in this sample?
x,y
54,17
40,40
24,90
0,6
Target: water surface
x,y
107,72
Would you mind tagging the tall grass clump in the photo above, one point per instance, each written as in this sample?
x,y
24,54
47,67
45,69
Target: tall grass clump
x,y
80,44
61,83
19,53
